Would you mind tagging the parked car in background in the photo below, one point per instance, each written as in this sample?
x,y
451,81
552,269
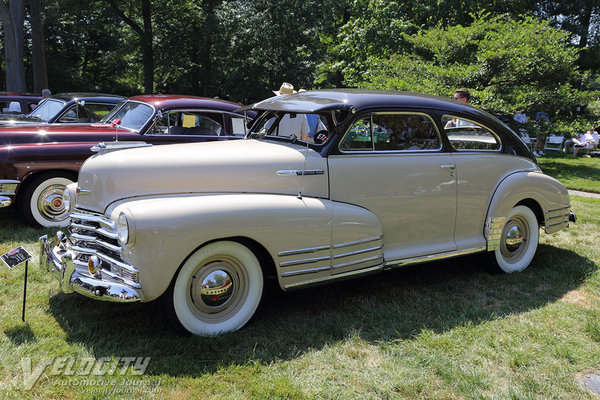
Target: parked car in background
x,y
13,104
38,161
389,179
66,108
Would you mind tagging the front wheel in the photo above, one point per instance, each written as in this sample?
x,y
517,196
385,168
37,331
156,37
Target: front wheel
x,y
518,242
218,289
42,202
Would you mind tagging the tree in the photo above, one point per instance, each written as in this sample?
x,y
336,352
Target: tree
x,y
12,15
144,33
38,47
510,64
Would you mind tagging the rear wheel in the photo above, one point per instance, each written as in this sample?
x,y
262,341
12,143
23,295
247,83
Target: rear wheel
x,y
518,242
218,289
42,202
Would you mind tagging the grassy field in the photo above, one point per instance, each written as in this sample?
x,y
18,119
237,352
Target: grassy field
x,y
443,330
575,173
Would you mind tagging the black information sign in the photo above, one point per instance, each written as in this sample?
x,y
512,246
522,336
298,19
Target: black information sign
x,y
15,257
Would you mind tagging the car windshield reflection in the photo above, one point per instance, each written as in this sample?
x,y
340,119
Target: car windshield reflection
x,y
133,115
48,109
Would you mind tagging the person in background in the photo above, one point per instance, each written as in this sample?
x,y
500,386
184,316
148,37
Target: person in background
x,y
291,124
542,122
520,117
460,95
46,93
588,140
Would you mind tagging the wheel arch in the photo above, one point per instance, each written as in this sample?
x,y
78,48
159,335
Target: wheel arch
x,y
27,179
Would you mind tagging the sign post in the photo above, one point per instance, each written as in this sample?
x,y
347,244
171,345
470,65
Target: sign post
x,y
12,259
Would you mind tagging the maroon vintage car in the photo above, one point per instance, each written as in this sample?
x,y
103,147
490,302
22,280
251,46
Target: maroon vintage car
x,y
37,162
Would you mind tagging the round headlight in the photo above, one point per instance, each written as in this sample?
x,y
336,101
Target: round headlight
x,y
122,229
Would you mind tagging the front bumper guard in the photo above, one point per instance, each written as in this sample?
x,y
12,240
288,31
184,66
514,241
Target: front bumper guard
x,y
58,260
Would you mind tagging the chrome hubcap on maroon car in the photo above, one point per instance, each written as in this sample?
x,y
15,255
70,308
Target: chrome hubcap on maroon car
x,y
51,205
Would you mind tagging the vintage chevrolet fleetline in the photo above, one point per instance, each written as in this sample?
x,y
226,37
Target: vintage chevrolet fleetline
x,y
327,185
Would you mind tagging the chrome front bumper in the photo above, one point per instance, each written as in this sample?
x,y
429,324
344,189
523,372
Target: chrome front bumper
x,y
58,259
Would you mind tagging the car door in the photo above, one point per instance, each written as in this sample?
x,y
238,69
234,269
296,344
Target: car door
x,y
480,166
392,164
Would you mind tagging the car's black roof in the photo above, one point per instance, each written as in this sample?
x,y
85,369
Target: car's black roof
x,y
86,96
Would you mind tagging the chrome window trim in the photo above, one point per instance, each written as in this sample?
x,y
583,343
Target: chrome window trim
x,y
498,138
373,151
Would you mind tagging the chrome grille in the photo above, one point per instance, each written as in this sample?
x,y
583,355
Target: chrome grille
x,y
94,234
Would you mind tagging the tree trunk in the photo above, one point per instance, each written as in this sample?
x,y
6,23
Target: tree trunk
x,y
12,15
145,36
38,48
206,54
147,53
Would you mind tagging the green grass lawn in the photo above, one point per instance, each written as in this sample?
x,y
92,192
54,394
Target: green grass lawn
x,y
575,173
441,330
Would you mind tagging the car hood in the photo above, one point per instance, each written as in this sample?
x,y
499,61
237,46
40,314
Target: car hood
x,y
240,166
12,120
52,133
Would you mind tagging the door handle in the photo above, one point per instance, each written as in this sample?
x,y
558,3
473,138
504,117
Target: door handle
x,y
451,166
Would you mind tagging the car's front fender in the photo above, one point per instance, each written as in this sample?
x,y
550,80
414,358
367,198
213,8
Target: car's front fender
x,y
166,230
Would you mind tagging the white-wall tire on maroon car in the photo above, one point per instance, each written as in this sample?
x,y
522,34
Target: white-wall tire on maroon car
x,y
218,289
518,242
42,202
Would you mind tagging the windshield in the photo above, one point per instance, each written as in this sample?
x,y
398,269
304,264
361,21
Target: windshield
x,y
48,109
133,115
312,128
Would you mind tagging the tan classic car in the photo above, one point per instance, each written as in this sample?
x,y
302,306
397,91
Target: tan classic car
x,y
382,179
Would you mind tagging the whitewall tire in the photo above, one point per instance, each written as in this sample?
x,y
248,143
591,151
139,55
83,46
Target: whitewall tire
x,y
42,202
518,241
218,289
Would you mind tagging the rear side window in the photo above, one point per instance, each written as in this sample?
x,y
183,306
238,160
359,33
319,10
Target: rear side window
x,y
392,132
465,135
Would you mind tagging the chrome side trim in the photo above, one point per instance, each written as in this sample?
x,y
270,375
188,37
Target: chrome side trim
x,y
558,209
432,257
304,271
371,239
353,253
343,275
364,260
493,231
303,261
558,223
300,172
8,187
558,216
302,251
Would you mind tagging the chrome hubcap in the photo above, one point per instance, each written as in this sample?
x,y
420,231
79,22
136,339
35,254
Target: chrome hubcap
x,y
514,239
50,203
218,289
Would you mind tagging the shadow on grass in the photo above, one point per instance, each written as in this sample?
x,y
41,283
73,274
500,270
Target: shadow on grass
x,y
20,334
392,305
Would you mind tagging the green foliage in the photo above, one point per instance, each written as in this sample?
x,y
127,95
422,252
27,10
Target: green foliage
x,y
510,65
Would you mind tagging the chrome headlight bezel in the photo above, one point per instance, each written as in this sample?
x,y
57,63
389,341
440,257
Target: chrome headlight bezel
x,y
69,197
122,228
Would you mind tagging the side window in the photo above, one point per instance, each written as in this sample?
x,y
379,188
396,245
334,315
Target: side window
x,y
358,137
465,135
188,123
98,111
392,132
